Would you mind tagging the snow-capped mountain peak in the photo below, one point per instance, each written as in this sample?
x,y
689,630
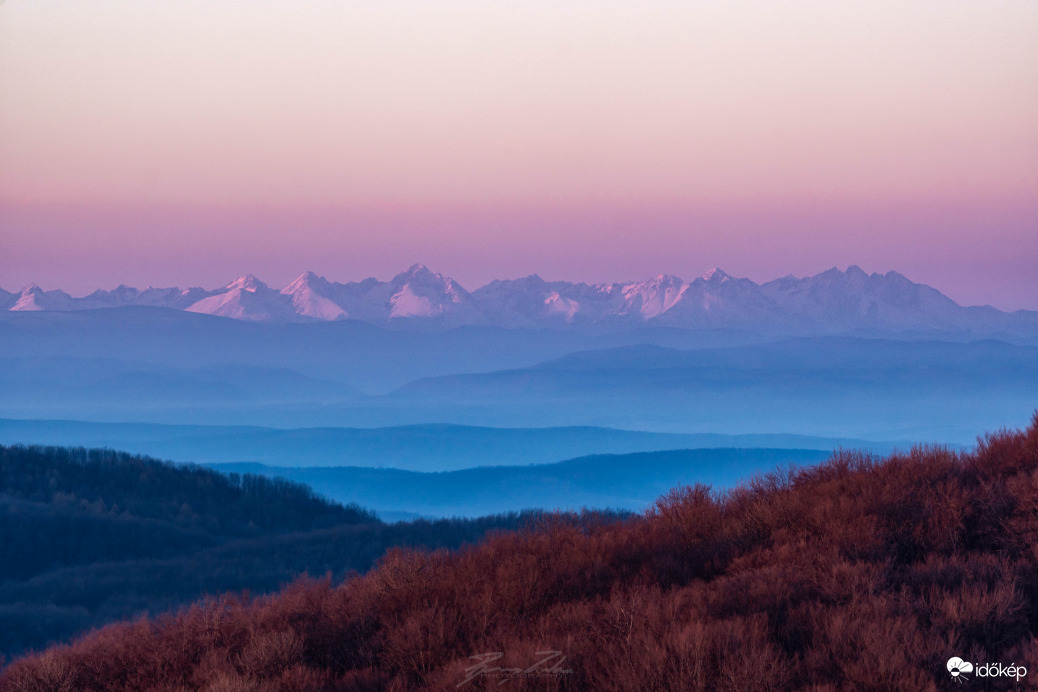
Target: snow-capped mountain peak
x,y
32,299
247,298
654,297
416,271
29,299
421,292
715,275
306,280
246,282
311,297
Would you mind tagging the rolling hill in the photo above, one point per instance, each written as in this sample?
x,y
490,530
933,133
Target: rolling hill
x,y
615,481
411,448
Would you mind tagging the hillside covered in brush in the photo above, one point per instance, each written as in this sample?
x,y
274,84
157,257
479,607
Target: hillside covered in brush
x,y
855,574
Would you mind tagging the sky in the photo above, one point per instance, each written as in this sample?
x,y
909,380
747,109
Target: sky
x,y
188,143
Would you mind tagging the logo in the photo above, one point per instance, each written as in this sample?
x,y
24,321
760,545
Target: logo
x,y
958,668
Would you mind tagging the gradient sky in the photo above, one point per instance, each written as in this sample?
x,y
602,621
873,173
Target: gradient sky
x,y
188,142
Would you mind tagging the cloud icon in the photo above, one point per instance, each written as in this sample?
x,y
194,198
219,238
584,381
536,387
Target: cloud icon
x,y
957,667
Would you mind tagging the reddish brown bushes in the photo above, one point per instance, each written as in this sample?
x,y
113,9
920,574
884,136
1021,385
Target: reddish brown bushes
x,y
858,574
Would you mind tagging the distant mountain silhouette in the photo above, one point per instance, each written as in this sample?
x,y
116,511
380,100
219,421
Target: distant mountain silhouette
x,y
833,302
613,481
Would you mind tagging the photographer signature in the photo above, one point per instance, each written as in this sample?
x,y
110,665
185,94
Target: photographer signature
x,y
540,668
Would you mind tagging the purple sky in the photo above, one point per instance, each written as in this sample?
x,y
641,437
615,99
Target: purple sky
x,y
186,143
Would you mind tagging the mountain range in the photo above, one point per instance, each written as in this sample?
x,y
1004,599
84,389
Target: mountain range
x,y
831,302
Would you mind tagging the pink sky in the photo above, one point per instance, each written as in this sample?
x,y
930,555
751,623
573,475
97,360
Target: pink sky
x,y
186,143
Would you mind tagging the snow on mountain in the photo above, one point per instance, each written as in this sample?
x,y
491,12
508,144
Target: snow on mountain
x,y
716,276
532,301
831,302
525,302
555,304
122,295
247,298
29,299
718,300
32,298
175,298
838,300
311,297
417,293
420,292
654,297
407,303
666,298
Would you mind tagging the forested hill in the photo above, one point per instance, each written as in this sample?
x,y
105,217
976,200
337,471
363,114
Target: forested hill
x,y
92,536
103,482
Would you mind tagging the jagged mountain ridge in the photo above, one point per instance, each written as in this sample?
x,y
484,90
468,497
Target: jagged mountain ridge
x,y
833,301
